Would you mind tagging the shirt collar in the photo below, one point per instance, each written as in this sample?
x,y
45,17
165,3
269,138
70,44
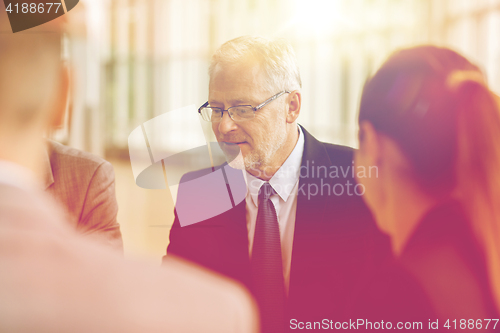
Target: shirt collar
x,y
284,180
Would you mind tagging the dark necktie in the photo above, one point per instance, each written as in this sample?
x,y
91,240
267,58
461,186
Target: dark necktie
x,y
267,267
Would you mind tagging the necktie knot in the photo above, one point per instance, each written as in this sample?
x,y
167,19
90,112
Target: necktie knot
x,y
265,191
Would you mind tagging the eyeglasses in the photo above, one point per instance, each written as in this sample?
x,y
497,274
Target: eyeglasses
x,y
236,113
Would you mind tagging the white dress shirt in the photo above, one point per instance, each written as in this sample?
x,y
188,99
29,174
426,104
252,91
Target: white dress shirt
x,y
285,183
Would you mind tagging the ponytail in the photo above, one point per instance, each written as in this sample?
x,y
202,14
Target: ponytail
x,y
478,165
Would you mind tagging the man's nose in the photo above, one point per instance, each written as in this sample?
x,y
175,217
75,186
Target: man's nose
x,y
226,124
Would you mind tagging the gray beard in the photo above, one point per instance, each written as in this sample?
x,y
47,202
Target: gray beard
x,y
262,158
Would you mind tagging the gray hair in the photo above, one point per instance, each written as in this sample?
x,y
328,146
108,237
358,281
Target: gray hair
x,y
276,57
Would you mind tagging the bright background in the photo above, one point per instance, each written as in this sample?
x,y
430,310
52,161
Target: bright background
x,y
135,59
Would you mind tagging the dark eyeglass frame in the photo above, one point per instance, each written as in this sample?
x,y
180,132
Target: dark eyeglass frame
x,y
255,109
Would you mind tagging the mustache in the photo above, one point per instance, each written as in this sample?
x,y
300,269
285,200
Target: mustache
x,y
230,138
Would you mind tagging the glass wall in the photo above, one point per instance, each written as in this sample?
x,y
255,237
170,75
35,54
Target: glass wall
x,y
136,59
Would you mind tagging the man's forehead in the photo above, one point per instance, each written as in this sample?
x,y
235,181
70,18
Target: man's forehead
x,y
243,96
248,63
241,72
236,83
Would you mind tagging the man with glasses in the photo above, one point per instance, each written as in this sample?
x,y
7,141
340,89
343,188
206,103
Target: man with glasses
x,y
297,247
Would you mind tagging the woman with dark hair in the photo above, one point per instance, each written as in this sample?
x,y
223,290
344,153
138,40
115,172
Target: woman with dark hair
x,y
431,127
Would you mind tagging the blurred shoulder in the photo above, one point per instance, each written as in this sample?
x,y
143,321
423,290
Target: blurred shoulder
x,y
339,152
234,311
68,157
28,210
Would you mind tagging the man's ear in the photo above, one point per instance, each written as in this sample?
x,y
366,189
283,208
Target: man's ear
x,y
294,101
369,143
61,102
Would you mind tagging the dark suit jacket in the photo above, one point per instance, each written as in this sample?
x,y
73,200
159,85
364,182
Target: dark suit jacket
x,y
335,239
84,185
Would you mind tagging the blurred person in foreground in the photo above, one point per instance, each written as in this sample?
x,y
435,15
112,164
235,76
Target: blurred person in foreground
x,y
300,237
84,184
428,121
54,280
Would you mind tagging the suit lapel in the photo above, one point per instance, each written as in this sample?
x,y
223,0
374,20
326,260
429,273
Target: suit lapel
x,y
310,212
314,156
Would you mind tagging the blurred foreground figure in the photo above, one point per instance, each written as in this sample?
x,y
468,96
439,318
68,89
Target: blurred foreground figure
x,y
84,184
53,280
431,126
